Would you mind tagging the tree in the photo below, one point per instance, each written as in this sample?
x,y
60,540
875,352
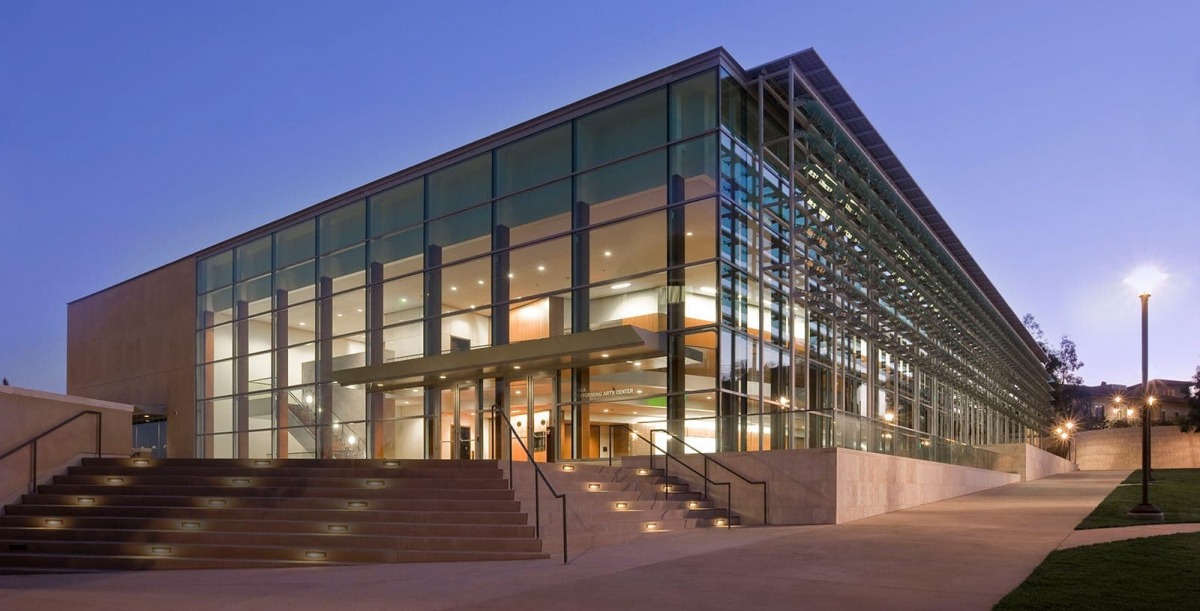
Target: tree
x,y
1194,399
1068,398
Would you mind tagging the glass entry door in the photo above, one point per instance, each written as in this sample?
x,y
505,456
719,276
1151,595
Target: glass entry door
x,y
463,429
531,403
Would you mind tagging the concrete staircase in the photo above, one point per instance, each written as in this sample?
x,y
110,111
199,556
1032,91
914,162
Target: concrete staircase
x,y
138,513
609,505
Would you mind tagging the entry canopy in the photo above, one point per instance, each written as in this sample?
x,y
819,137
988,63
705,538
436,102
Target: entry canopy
x,y
576,350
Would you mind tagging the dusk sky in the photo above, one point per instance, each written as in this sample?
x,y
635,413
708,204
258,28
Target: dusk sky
x,y
1058,139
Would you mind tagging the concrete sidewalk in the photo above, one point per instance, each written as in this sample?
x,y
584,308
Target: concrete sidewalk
x,y
963,553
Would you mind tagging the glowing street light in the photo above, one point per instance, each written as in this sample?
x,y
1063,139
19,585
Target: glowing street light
x,y
1144,279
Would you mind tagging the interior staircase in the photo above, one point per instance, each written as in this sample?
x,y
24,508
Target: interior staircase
x,y
142,513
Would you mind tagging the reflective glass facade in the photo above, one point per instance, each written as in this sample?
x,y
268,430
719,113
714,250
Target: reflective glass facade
x,y
802,301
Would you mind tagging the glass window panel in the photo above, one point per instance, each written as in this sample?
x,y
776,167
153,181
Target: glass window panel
x,y
737,113
219,415
467,286
694,168
259,373
624,188
466,328
621,130
342,227
218,379
536,214
295,244
256,294
460,185
348,313
259,331
629,247
534,160
700,296
403,299
463,235
302,323
700,361
635,302
214,308
694,105
700,230
349,350
301,364
539,318
298,281
403,341
253,259
400,253
214,272
398,207
541,268
222,343
346,268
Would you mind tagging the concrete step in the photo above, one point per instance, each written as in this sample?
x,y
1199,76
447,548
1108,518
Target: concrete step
x,y
324,477
246,487
447,500
511,515
311,526
34,539
293,463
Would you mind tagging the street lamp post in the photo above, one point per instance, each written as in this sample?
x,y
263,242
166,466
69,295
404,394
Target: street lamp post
x,y
1144,280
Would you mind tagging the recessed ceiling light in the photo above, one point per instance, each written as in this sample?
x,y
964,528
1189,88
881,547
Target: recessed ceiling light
x,y
516,366
454,288
541,268
339,314
608,253
604,356
510,275
404,300
620,285
480,282
690,234
302,323
360,309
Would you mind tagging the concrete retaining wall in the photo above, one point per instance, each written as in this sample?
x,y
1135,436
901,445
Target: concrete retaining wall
x,y
1029,462
1122,449
26,413
834,485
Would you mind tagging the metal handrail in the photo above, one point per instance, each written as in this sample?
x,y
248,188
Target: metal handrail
x,y
667,473
708,459
32,441
537,498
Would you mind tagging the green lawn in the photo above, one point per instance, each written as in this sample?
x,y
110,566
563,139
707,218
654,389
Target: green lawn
x,y
1176,493
1151,573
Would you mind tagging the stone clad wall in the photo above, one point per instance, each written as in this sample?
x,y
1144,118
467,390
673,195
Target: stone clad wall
x,y
1122,449
1029,462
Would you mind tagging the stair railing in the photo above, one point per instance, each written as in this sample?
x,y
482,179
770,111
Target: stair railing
x,y
710,459
667,458
537,499
32,443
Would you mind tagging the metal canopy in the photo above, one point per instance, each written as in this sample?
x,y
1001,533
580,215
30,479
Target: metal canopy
x,y
575,350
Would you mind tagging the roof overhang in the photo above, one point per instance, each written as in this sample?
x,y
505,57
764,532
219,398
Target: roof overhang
x,y
576,350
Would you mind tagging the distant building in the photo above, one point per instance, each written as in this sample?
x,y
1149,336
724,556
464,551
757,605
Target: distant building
x,y
1117,402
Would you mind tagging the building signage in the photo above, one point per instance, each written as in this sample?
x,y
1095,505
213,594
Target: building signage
x,y
605,394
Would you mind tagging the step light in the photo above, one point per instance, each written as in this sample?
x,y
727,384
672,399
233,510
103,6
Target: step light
x,y
593,487
622,505
241,481
116,480
643,472
85,500
721,522
160,550
568,467
693,504
374,483
54,522
140,462
337,528
311,555
390,463
189,525
651,526
357,504
262,463
217,502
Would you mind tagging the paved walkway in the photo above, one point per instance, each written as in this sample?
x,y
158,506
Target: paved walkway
x,y
963,553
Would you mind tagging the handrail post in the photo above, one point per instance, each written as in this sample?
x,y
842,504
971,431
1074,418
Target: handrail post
x,y
537,504
99,427
729,506
33,467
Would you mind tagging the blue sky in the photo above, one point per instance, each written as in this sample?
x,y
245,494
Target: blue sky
x,y
1057,138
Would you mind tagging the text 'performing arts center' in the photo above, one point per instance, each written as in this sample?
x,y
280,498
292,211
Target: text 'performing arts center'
x,y
734,256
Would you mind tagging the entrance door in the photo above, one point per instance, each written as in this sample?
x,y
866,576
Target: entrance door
x,y
458,422
531,403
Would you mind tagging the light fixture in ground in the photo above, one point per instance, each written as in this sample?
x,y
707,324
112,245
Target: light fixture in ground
x,y
314,555
651,526
189,525
54,522
593,487
140,462
160,550
357,504
116,480
622,505
85,500
217,502
568,467
337,528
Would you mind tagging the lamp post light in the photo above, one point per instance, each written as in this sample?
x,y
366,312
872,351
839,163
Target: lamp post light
x,y
1144,280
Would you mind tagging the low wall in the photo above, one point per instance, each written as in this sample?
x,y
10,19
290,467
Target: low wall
x,y
833,485
26,413
1121,448
1029,462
